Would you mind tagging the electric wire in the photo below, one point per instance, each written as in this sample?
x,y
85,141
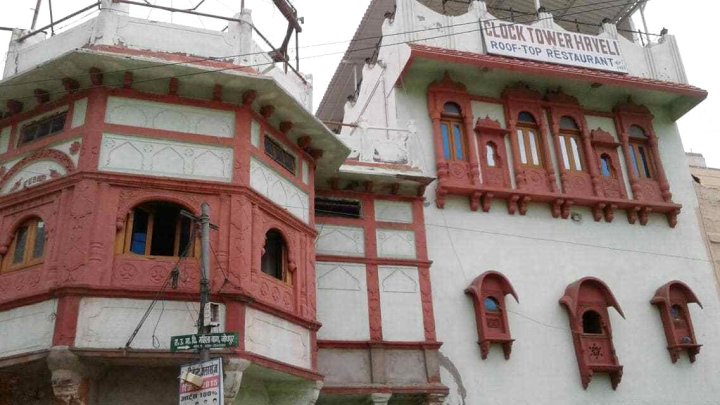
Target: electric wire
x,y
168,281
236,67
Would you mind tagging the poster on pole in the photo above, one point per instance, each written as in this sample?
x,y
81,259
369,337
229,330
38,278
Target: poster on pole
x,y
201,383
552,46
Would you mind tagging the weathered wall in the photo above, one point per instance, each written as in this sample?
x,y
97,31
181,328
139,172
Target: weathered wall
x,y
708,192
109,322
36,322
276,338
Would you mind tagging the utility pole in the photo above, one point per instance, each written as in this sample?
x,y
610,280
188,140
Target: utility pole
x,y
204,273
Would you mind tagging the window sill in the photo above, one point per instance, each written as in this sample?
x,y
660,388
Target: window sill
x,y
22,267
481,196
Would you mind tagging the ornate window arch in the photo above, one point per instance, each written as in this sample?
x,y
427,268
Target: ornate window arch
x,y
526,132
571,145
586,301
452,132
641,158
27,246
672,301
488,292
275,259
157,228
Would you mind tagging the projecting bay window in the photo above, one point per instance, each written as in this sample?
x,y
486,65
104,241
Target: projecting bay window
x,y
570,142
528,141
27,247
158,229
451,129
640,155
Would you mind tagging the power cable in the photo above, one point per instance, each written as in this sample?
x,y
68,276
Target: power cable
x,y
237,67
215,58
169,280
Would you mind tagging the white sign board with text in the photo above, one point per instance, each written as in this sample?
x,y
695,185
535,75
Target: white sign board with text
x,y
552,46
211,391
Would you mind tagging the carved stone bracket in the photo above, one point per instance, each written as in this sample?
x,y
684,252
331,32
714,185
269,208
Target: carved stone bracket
x,y
233,370
70,377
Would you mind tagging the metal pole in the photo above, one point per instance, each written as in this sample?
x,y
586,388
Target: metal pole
x,y
52,23
35,14
645,26
204,273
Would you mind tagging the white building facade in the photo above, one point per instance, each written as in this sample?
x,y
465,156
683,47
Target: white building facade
x,y
560,174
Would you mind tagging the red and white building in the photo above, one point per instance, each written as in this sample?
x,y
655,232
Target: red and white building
x,y
503,213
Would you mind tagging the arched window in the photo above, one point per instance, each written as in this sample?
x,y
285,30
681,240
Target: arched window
x,y
27,247
569,138
639,153
606,168
158,229
491,154
591,322
527,138
453,135
275,256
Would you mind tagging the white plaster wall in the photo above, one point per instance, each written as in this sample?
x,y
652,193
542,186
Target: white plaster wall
x,y
277,188
393,211
400,304
342,301
4,139
396,244
276,338
79,111
340,240
27,329
170,117
541,255
164,158
481,109
255,134
305,172
109,322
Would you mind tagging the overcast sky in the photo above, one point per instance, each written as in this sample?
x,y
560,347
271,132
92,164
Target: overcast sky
x,y
330,24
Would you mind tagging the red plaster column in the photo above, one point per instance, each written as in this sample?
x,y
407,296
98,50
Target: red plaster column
x,y
235,321
94,123
632,177
662,179
543,137
591,160
66,317
423,271
373,282
472,154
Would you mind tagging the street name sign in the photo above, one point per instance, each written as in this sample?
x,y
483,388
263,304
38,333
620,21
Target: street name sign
x,y
204,341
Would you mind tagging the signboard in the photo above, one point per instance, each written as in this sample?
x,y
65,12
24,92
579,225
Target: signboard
x,y
205,341
210,392
552,46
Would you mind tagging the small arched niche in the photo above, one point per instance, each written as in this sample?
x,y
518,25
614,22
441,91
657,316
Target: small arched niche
x,y
488,292
586,301
672,301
